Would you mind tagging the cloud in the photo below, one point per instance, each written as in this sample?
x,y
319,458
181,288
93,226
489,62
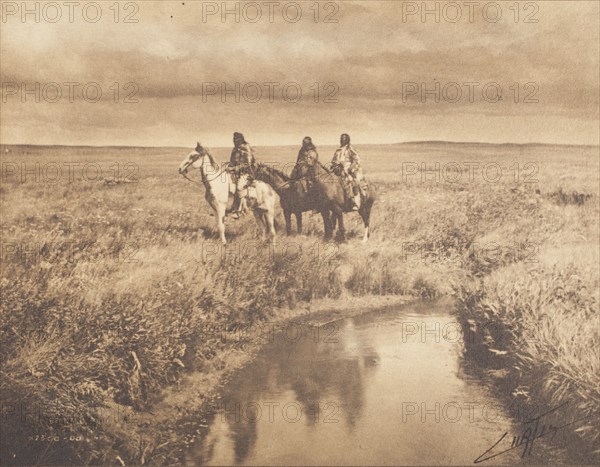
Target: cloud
x,y
369,53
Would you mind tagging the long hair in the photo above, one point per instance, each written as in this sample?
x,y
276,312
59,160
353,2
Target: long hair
x,y
239,137
307,144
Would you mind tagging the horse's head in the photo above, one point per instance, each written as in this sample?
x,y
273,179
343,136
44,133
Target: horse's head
x,y
193,159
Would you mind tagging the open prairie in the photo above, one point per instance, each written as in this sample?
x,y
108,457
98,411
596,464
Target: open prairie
x,y
111,269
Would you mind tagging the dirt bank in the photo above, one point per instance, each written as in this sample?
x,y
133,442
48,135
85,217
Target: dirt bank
x,y
160,435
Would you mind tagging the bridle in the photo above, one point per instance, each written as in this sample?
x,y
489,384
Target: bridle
x,y
188,178
205,179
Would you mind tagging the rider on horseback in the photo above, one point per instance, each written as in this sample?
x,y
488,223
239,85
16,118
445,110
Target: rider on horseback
x,y
240,163
306,164
347,164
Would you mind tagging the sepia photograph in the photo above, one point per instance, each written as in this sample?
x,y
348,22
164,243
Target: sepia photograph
x,y
299,233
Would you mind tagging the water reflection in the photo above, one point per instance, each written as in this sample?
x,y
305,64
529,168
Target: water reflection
x,y
376,391
313,380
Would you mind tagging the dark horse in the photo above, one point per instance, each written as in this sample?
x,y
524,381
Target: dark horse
x,y
326,196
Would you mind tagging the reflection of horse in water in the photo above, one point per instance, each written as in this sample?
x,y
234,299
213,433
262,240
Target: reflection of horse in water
x,y
220,189
326,196
318,379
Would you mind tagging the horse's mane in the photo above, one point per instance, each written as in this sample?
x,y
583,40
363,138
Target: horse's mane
x,y
273,170
211,159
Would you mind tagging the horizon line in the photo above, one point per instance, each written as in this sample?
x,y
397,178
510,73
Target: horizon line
x,y
534,143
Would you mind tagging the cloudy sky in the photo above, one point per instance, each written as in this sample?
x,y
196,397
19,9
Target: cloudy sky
x,y
371,67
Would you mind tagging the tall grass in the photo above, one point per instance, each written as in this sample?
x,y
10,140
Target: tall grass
x,y
543,326
538,318
109,292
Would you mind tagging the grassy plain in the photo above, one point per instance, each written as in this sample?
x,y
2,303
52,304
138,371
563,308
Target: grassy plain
x,y
112,273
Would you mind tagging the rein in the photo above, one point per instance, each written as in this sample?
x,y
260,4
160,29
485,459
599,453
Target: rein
x,y
188,178
282,185
205,179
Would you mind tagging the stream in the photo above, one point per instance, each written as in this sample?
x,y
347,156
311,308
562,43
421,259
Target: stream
x,y
383,388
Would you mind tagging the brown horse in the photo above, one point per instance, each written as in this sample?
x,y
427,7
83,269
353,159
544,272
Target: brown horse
x,y
292,196
326,196
329,190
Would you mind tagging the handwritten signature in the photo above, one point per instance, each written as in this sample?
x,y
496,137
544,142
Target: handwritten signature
x,y
535,428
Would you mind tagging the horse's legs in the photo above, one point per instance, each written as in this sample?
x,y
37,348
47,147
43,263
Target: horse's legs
x,y
341,235
220,213
327,224
270,224
365,213
243,205
299,222
266,226
288,221
258,215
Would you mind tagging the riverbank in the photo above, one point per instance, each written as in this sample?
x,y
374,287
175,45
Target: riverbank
x,y
160,434
534,322
536,333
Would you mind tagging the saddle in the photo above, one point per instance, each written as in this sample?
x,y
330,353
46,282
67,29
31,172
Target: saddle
x,y
305,183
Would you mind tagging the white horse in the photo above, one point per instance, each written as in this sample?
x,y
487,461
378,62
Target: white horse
x,y
220,191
